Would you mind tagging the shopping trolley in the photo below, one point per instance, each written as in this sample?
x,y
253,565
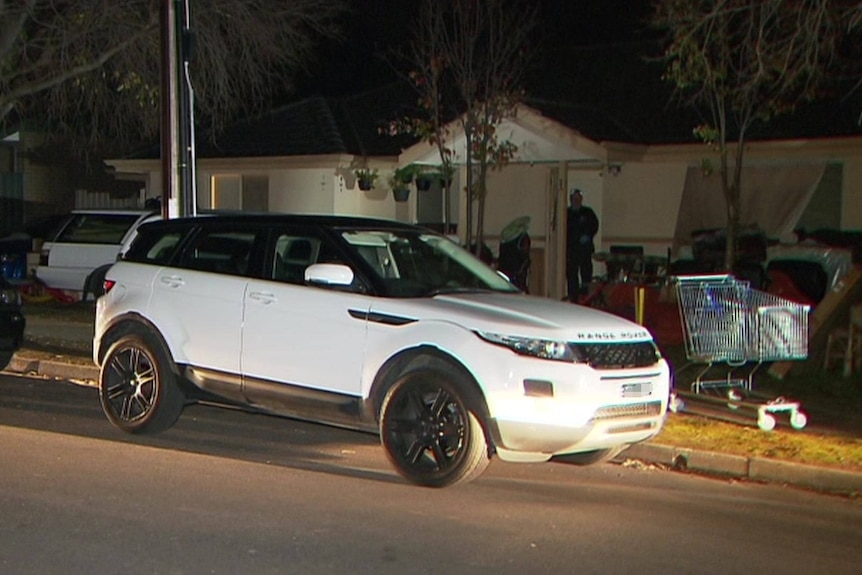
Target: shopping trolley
x,y
730,326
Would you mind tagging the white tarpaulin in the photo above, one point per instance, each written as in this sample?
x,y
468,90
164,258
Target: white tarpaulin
x,y
773,199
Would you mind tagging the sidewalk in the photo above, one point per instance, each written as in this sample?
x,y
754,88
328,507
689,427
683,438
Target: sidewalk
x,y
58,344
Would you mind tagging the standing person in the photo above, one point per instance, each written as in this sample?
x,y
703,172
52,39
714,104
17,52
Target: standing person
x,y
581,226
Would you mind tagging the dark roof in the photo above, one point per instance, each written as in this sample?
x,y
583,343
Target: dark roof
x,y
318,126
610,92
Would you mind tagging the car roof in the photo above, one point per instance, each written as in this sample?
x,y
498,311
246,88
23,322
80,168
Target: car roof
x,y
114,211
331,221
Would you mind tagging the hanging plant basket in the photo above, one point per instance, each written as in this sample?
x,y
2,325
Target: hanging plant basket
x,y
365,178
401,194
405,175
423,183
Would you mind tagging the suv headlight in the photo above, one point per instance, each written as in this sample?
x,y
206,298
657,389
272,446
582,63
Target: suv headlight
x,y
535,347
10,296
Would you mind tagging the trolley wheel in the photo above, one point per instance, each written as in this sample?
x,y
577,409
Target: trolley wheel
x,y
735,396
798,419
766,422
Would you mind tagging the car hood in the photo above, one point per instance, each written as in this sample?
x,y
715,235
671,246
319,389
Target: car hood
x,y
528,316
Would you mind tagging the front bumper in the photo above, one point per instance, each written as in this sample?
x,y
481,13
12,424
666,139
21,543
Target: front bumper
x,y
586,410
519,440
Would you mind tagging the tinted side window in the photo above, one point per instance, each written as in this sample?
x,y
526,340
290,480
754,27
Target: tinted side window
x,y
220,251
294,253
154,247
97,228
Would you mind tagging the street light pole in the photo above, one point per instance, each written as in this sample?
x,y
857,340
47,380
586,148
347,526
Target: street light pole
x,y
177,112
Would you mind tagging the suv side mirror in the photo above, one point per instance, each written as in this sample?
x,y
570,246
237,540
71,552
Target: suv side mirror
x,y
329,274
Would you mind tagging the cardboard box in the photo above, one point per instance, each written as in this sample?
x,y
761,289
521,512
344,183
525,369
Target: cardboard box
x,y
832,312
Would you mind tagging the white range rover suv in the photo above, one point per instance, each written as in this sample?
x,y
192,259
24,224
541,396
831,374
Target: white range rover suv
x,y
373,325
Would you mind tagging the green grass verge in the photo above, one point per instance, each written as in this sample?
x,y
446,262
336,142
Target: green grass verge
x,y
696,432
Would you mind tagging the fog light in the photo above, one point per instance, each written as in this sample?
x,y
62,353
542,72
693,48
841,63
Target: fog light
x,y
538,388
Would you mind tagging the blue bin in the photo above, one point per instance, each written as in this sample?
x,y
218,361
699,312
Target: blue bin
x,y
13,258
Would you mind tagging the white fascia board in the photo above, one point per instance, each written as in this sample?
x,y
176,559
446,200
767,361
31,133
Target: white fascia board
x,y
539,140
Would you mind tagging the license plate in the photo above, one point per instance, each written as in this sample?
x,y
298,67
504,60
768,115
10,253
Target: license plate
x,y
637,389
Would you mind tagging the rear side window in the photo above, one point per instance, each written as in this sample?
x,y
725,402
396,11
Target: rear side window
x,y
220,251
154,247
96,228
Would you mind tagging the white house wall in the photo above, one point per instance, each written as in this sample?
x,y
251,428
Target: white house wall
x,y
518,190
316,191
641,204
851,195
375,203
302,191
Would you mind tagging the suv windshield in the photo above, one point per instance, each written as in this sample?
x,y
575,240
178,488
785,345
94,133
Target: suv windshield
x,y
410,264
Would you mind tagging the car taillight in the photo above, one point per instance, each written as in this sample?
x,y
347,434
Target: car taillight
x,y
107,285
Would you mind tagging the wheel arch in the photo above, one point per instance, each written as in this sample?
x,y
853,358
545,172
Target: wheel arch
x,y
132,323
424,356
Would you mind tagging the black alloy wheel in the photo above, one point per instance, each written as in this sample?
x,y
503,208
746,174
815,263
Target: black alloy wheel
x,y
430,435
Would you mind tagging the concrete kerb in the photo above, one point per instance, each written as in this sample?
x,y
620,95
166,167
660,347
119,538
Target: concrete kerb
x,y
757,469
54,368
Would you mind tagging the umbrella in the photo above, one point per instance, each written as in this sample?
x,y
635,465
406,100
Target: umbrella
x,y
515,228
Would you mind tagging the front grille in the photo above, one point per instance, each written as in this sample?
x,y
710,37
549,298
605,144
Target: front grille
x,y
617,355
631,410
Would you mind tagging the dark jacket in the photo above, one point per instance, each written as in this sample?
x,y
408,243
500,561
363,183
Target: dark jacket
x,y
581,226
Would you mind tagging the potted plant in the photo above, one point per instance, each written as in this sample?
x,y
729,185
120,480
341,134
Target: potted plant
x,y
406,174
366,178
399,182
401,194
424,181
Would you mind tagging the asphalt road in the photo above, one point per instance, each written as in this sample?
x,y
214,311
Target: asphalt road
x,y
230,492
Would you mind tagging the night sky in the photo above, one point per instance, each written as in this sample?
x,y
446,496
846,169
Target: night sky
x,y
356,63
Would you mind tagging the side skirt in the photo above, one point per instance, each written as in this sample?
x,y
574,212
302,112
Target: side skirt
x,y
278,398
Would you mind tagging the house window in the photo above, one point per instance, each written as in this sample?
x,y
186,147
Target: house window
x,y
239,192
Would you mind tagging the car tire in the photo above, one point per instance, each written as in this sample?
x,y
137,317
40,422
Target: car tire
x,y
590,457
137,386
431,435
5,358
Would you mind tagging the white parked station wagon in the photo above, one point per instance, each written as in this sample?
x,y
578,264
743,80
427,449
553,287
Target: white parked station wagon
x,y
84,242
373,325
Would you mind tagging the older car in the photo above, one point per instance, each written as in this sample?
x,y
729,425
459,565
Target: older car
x,y
84,244
11,322
373,325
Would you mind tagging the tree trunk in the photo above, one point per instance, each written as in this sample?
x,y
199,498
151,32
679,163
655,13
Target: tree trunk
x,y
480,206
468,231
732,228
733,195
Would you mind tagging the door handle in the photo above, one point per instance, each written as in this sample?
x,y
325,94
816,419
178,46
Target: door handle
x,y
262,297
173,281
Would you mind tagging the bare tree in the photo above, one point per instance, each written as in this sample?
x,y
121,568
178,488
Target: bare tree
x,y
745,61
427,67
474,55
91,67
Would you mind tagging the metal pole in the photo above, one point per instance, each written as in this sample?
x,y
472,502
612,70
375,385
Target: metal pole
x,y
186,112
169,112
